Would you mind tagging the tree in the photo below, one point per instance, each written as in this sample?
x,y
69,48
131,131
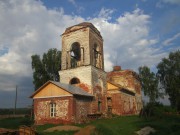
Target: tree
x,y
149,83
47,68
169,75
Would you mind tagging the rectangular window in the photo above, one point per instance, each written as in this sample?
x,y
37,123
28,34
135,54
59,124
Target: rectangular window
x,y
52,109
99,106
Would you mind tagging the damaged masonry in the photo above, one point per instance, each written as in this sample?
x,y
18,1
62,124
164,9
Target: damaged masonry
x,y
85,90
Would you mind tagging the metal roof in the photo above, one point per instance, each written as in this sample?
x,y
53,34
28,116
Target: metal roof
x,y
67,87
72,89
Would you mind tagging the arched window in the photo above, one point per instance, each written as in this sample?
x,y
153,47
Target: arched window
x,y
75,55
74,81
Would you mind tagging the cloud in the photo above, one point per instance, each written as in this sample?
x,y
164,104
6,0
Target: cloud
x,y
171,1
127,41
28,27
170,40
161,3
106,13
78,8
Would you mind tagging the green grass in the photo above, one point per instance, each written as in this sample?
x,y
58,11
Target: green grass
x,y
125,125
11,123
169,125
122,125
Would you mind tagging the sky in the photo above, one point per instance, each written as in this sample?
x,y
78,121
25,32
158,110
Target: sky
x,y
135,33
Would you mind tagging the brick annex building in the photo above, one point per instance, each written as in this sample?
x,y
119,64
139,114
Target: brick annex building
x,y
85,90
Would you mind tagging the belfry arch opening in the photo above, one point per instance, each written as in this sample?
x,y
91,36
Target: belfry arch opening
x,y
97,58
74,81
75,53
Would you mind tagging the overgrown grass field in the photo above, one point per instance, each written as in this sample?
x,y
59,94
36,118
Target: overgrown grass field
x,y
121,125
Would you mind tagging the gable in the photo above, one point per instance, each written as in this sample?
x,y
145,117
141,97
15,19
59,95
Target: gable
x,y
111,86
51,90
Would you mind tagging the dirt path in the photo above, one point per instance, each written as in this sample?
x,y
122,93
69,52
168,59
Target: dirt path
x,y
88,130
7,131
61,128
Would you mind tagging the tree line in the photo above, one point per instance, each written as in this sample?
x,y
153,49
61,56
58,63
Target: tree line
x,y
166,79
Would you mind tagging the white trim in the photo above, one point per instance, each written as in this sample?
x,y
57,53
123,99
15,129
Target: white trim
x,y
54,96
52,109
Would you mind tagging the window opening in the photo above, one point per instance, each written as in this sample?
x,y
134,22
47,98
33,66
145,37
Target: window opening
x,y
52,109
75,55
74,81
97,56
99,105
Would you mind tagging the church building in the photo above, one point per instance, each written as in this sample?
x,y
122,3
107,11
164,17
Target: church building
x,y
85,90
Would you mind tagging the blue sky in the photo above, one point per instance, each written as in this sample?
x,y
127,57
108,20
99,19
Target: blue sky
x,y
135,33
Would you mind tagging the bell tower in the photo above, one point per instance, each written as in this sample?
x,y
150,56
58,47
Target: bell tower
x,y
82,58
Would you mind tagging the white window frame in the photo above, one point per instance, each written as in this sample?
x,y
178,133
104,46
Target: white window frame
x,y
52,109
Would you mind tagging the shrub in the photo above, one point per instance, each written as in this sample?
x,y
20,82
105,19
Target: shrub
x,y
27,121
157,110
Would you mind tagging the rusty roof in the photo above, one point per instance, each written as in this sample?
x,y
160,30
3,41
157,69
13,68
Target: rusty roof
x,y
121,87
67,87
83,25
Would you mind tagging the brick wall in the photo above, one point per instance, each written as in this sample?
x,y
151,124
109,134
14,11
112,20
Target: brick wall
x,y
64,110
68,110
129,80
122,103
83,73
89,77
82,107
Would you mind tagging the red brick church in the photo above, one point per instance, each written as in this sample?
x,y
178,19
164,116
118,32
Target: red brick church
x,y
85,90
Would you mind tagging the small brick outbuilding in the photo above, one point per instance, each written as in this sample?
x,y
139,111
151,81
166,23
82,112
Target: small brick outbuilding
x,y
56,102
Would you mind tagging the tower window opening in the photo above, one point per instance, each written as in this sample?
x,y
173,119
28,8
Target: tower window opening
x,y
97,62
74,81
75,55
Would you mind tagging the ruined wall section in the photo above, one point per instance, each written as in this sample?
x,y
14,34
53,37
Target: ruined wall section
x,y
139,102
82,109
83,73
126,79
122,103
89,77
129,80
99,79
99,104
64,110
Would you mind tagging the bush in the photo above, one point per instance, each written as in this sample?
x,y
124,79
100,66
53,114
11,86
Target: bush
x,y
157,110
27,121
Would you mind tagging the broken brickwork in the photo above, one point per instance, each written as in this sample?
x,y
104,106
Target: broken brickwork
x,y
128,103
